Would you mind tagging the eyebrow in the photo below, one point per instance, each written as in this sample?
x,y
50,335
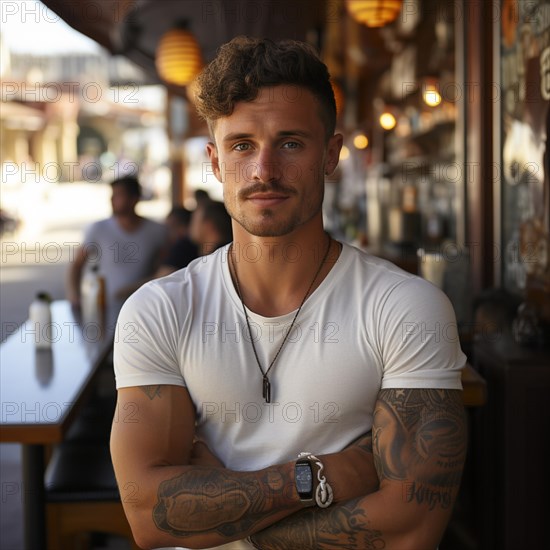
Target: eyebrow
x,y
236,136
285,133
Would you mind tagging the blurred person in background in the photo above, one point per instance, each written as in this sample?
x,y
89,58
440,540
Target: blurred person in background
x,y
210,226
127,248
182,249
201,197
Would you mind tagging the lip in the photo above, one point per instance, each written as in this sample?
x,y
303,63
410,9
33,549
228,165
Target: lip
x,y
267,199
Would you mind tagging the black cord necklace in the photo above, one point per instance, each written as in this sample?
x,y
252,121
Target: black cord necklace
x,y
266,384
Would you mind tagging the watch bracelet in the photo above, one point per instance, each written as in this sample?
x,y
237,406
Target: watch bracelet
x,y
323,487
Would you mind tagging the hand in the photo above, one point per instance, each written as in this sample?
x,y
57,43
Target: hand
x,y
201,455
124,292
351,472
363,443
74,299
76,309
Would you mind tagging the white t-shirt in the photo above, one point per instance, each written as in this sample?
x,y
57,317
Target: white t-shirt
x,y
369,325
124,258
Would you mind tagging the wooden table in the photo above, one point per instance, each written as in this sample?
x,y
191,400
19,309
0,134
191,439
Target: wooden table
x,y
40,393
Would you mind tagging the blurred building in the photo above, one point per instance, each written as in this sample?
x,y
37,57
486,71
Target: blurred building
x,y
78,116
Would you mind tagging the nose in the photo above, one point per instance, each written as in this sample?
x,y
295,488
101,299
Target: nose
x,y
266,166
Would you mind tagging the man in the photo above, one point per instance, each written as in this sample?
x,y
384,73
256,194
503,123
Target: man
x,y
285,342
210,226
126,246
182,249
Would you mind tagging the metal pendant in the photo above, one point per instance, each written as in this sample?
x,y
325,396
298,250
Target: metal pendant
x,y
266,393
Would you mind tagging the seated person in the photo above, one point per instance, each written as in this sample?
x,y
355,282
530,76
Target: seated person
x,y
210,226
182,250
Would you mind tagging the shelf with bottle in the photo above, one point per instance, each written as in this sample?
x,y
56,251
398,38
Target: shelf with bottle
x,y
404,161
417,121
412,156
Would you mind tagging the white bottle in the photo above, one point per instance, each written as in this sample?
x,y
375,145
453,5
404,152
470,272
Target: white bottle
x,y
40,317
92,296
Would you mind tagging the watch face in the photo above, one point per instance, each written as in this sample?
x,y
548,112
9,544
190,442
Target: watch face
x,y
304,480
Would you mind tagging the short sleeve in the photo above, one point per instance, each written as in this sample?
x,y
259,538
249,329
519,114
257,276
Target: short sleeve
x,y
418,337
146,340
93,241
90,233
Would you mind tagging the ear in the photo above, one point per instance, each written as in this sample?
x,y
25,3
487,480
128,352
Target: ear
x,y
333,153
212,152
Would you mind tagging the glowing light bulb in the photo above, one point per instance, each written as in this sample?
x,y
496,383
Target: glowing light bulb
x,y
344,153
361,141
387,121
432,97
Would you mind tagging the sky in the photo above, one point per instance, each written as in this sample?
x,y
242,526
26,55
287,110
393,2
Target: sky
x,y
28,26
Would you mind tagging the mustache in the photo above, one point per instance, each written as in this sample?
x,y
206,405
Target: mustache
x,y
274,187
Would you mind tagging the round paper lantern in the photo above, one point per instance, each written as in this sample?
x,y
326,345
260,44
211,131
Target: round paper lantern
x,y
178,58
374,13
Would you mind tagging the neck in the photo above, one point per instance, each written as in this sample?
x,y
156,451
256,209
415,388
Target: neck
x,y
275,274
129,221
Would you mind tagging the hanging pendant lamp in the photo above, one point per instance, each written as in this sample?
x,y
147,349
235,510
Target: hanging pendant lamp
x,y
178,57
374,13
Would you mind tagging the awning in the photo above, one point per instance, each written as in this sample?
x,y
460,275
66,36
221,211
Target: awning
x,y
133,27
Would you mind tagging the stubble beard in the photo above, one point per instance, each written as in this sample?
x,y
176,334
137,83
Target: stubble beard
x,y
270,224
267,226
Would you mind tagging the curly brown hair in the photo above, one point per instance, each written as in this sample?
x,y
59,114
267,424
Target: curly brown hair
x,y
244,65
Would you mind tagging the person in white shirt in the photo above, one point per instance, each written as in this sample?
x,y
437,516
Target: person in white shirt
x,y
126,247
287,391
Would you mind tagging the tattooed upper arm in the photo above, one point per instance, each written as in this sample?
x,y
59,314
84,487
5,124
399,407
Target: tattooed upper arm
x,y
151,391
419,446
419,439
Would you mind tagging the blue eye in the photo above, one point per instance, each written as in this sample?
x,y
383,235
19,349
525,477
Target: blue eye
x,y
291,145
241,147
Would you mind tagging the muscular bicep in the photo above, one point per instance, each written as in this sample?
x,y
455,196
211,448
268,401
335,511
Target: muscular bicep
x,y
153,426
419,445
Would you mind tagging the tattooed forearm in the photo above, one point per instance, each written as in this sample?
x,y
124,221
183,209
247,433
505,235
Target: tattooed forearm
x,y
151,391
344,526
297,531
418,443
218,501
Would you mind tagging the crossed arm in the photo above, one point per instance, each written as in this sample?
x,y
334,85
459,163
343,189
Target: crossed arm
x,y
419,446
418,449
172,499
